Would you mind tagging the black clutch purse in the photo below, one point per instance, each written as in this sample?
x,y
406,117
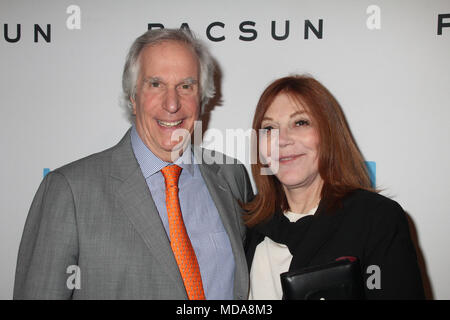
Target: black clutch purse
x,y
339,280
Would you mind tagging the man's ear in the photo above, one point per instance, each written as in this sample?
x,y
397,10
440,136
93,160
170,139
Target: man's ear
x,y
133,103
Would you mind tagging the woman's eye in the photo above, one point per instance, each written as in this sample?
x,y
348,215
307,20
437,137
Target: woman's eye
x,y
301,123
267,129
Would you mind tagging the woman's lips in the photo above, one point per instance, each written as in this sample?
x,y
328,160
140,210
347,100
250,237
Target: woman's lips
x,y
289,158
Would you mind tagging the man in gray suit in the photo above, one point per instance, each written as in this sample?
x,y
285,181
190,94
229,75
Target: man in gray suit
x,y
98,228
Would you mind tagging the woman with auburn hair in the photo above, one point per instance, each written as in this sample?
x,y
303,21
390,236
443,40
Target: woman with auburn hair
x,y
318,205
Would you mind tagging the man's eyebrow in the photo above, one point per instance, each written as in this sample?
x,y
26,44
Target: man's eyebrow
x,y
153,79
189,80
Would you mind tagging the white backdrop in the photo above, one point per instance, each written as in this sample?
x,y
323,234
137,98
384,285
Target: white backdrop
x,y
387,66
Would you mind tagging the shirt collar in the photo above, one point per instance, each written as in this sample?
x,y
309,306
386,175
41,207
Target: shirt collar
x,y
150,163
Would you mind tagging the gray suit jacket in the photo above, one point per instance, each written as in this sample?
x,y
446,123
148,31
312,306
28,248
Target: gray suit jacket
x,y
96,214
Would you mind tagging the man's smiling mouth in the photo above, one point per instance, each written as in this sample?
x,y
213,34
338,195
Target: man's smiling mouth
x,y
169,124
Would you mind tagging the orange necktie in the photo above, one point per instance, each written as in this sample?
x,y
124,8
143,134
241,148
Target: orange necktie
x,y
179,239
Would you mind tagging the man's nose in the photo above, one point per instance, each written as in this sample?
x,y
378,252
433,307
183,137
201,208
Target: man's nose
x,y
172,101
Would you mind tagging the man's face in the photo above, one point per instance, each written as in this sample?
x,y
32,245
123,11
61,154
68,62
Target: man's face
x,y
167,96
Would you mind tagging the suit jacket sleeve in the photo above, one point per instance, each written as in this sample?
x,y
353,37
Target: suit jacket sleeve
x,y
389,246
49,243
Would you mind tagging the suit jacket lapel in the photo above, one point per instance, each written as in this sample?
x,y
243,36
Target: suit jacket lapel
x,y
220,194
226,206
137,203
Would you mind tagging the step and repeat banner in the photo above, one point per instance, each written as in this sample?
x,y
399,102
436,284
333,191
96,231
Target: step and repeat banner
x,y
387,63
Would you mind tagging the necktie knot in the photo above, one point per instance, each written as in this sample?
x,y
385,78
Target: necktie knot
x,y
171,175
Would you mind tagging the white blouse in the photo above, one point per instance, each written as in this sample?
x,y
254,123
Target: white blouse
x,y
270,260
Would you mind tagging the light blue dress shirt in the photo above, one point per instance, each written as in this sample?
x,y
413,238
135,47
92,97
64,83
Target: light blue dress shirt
x,y
203,224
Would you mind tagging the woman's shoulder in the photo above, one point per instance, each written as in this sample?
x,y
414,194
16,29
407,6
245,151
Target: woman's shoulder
x,y
372,203
369,198
377,217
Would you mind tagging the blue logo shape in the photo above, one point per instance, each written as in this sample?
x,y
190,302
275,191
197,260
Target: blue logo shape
x,y
46,170
372,170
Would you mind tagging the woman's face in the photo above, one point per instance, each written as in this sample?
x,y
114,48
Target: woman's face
x,y
298,142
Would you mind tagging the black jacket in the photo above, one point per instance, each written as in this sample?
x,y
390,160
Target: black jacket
x,y
367,226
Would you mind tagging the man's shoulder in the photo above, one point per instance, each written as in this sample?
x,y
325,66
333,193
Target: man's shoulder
x,y
220,163
86,163
94,164
230,169
213,157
